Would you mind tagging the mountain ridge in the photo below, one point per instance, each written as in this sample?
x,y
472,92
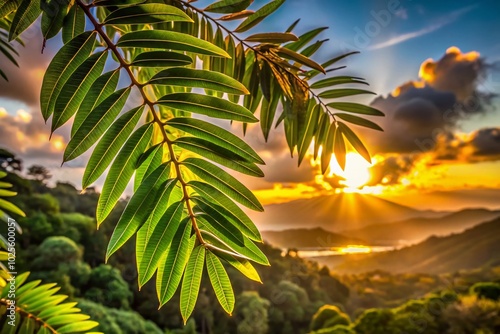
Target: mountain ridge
x,y
332,212
473,248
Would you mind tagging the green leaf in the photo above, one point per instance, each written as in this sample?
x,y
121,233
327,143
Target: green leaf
x,y
326,155
313,48
268,111
358,121
304,39
59,309
355,141
336,93
272,37
220,282
103,87
169,40
293,25
168,194
338,58
187,77
26,14
8,6
160,240
216,135
219,225
219,200
77,327
148,162
249,251
228,6
223,181
306,131
336,81
356,108
7,193
321,133
137,209
172,266
161,59
5,205
237,16
219,155
74,90
243,266
116,3
122,169
52,17
66,319
96,123
64,63
339,148
191,282
109,145
219,213
73,24
146,14
207,105
259,15
289,54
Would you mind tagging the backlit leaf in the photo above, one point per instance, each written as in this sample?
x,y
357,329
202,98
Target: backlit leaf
x,y
122,169
146,14
207,105
191,282
220,282
186,77
259,15
64,63
223,181
169,40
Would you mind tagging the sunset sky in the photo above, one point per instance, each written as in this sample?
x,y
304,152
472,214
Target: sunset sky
x,y
434,65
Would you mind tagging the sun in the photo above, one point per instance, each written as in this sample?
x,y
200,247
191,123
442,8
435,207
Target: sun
x,y
356,173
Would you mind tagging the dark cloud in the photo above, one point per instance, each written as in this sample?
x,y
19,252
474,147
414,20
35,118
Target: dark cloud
x,y
417,112
478,146
390,170
455,72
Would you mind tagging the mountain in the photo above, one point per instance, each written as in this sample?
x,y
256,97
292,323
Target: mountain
x,y
451,200
415,230
308,238
470,249
334,213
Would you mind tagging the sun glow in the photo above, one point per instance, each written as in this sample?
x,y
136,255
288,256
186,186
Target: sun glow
x,y
355,249
356,173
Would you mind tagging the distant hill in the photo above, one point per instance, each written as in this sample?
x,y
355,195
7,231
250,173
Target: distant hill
x,y
308,238
415,230
473,248
334,213
452,200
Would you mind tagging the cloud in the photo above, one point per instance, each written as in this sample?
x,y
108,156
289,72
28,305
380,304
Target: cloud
x,y
391,170
417,112
280,166
440,23
25,81
478,146
26,135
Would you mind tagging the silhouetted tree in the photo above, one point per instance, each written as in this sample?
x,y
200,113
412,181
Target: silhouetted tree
x,y
9,162
39,173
